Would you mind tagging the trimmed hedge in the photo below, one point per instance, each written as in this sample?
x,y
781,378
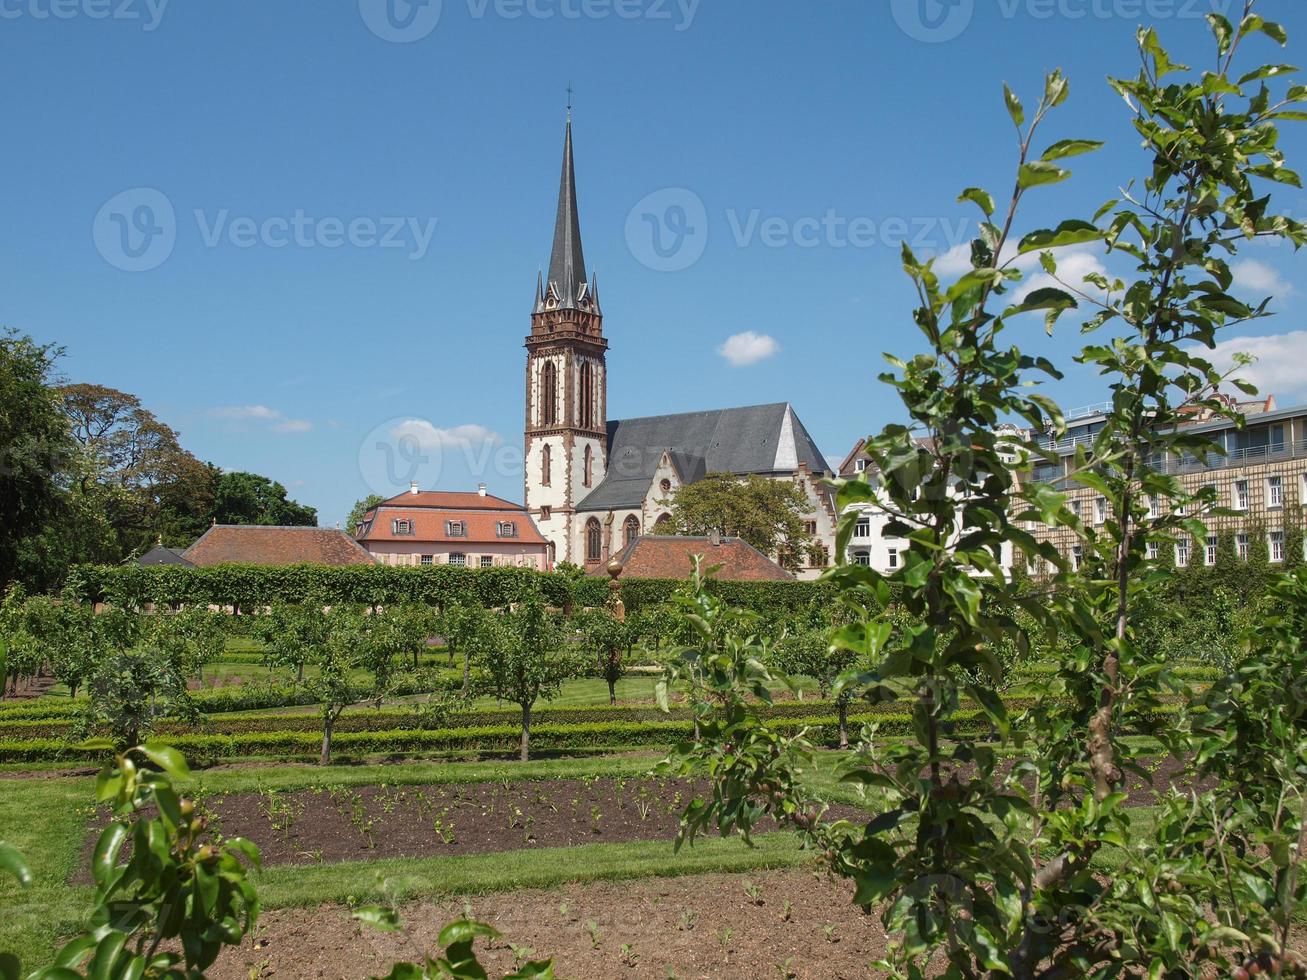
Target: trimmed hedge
x,y
255,586
207,748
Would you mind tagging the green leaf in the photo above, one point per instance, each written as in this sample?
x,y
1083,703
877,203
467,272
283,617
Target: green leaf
x,y
378,917
1038,173
1014,107
1072,232
166,758
10,967
1071,148
465,931
981,198
107,848
12,861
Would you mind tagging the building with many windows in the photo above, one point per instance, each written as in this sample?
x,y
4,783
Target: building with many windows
x,y
469,530
1260,475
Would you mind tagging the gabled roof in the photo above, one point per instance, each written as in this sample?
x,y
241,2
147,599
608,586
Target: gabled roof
x,y
762,439
671,557
159,555
256,544
450,500
432,526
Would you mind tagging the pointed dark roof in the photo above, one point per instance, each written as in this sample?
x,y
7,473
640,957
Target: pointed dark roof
x,y
763,439
567,280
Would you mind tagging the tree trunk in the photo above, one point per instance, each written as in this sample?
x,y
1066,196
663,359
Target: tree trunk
x,y
842,707
299,673
526,732
612,689
327,723
467,674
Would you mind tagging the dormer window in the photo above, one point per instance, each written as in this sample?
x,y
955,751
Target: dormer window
x,y
402,526
455,529
506,529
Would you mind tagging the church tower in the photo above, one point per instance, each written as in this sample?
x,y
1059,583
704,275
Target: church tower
x,y
566,381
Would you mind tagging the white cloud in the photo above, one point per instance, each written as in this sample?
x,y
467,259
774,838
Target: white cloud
x,y
1073,264
276,420
747,348
1280,368
431,437
1260,278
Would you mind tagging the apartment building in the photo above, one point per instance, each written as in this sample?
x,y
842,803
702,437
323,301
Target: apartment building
x,y
1261,476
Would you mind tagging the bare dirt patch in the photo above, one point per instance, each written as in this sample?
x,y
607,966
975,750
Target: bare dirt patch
x,y
340,823
769,924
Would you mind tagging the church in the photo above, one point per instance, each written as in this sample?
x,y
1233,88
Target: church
x,y
595,484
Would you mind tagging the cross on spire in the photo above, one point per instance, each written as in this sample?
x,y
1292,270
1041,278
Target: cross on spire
x,y
569,101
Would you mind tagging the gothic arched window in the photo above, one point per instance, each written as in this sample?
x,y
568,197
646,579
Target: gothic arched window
x,y
588,474
594,540
587,396
630,529
549,394
546,465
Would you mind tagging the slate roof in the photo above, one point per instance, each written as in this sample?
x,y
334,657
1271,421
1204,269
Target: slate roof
x,y
159,555
255,544
670,557
567,259
762,439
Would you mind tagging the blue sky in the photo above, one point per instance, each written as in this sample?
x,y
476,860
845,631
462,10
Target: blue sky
x,y
418,155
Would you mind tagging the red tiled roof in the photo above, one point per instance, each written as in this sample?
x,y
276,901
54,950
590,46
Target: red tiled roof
x,y
259,545
665,556
450,500
429,525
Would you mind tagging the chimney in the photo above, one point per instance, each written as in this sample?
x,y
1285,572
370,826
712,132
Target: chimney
x,y
412,488
481,489
715,538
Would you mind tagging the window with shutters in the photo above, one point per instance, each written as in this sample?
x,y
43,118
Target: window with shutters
x,y
458,559
455,529
507,529
427,559
402,526
549,394
487,561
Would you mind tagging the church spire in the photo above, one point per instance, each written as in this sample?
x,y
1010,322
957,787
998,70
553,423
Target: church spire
x,y
566,288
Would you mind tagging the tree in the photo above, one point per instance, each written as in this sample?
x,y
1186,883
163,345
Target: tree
x,y
523,660
360,509
808,651
293,635
134,471
131,690
768,514
991,869
193,637
336,659
247,498
34,447
607,639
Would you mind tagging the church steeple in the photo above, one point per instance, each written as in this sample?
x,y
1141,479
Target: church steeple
x,y
566,449
566,287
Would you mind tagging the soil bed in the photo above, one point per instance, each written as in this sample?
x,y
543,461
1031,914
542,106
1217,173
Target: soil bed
x,y
339,823
768,924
